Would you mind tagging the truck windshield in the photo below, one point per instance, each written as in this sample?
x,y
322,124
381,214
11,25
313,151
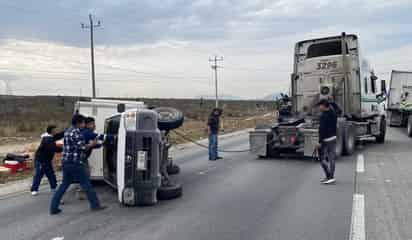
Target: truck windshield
x,y
325,49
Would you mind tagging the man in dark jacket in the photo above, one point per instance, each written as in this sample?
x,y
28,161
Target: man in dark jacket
x,y
43,159
213,131
327,140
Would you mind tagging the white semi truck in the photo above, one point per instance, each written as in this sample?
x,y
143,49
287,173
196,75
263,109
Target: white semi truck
x,y
331,68
400,100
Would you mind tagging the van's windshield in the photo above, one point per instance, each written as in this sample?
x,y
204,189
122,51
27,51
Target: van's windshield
x,y
325,49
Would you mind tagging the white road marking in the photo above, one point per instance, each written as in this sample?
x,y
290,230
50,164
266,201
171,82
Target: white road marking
x,y
58,238
360,164
357,231
388,181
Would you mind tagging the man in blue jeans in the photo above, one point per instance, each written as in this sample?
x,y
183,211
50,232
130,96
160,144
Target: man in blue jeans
x,y
74,151
213,131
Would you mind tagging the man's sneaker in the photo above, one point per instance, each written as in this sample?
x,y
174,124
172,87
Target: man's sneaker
x,y
55,211
34,193
100,208
330,181
218,158
323,180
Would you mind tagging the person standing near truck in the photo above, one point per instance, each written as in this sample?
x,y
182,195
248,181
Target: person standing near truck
x,y
43,159
89,136
213,124
74,151
327,140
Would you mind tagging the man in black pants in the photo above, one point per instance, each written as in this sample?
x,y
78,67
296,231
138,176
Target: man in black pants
x,y
43,159
327,140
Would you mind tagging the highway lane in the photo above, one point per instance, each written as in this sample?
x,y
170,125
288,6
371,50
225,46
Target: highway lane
x,y
238,197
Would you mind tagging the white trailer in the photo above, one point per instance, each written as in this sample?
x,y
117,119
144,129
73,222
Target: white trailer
x,y
101,110
400,100
327,68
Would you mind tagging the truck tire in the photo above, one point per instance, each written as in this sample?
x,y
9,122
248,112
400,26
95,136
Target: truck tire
x,y
349,142
169,118
173,169
339,146
169,192
381,137
409,126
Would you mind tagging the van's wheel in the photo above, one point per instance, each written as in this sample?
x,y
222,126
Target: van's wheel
x,y
173,169
339,146
409,127
382,133
349,140
169,118
169,191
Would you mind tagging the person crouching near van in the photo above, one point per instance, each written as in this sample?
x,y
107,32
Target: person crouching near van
x,y
43,160
327,140
213,125
74,150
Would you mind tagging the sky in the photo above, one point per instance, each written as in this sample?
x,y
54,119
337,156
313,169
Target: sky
x,y
161,49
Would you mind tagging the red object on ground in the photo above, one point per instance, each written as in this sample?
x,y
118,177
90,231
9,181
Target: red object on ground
x,y
15,166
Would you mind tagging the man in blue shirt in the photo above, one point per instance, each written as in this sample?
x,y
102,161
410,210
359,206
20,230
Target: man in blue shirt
x,y
74,153
89,136
213,125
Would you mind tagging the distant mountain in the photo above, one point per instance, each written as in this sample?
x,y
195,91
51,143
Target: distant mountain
x,y
271,97
222,97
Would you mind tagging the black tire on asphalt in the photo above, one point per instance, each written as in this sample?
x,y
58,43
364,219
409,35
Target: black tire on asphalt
x,y
339,146
173,169
349,140
169,118
409,126
169,192
381,137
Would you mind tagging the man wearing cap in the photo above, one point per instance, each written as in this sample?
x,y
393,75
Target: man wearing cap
x,y
327,140
213,130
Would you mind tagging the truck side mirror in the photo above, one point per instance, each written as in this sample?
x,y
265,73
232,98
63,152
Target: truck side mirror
x,y
121,107
383,86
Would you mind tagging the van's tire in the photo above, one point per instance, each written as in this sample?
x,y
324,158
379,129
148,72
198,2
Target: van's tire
x,y
169,192
381,137
173,169
409,127
169,118
349,141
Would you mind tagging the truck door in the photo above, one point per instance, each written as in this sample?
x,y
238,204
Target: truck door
x,y
111,131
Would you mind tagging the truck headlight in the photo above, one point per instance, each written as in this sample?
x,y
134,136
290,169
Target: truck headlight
x,y
325,90
128,196
130,121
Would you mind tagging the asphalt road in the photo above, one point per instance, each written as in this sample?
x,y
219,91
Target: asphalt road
x,y
236,198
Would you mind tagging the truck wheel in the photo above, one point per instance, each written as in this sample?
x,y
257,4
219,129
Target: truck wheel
x,y
349,140
339,146
171,191
173,169
409,128
169,118
381,137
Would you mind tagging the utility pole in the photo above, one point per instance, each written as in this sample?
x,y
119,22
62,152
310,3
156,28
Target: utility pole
x,y
91,26
214,66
